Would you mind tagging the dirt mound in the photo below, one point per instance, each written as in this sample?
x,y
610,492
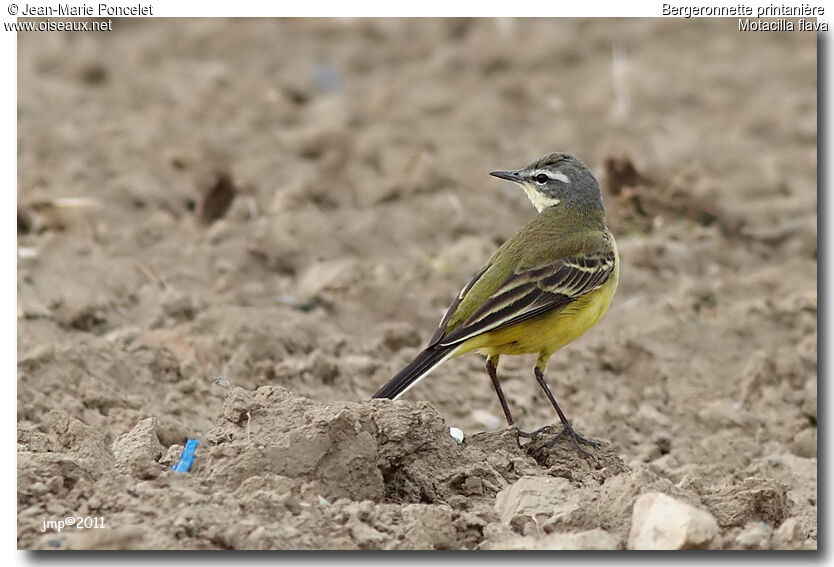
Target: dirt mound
x,y
282,471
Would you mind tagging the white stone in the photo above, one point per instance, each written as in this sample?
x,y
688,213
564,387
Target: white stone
x,y
659,521
457,434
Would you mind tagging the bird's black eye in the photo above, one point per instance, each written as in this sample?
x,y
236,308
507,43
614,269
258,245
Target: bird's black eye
x,y
542,178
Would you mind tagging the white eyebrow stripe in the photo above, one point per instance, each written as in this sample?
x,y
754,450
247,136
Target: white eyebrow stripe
x,y
561,177
553,175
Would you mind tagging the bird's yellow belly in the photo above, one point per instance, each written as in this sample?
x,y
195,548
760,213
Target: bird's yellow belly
x,y
549,332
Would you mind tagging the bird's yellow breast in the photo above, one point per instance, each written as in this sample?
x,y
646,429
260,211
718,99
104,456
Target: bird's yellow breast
x,y
551,331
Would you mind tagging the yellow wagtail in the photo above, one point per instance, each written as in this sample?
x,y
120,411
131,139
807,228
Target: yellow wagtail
x,y
543,288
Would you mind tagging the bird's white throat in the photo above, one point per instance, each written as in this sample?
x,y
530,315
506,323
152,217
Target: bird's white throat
x,y
539,199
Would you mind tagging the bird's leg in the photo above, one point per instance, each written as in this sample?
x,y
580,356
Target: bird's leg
x,y
566,426
492,370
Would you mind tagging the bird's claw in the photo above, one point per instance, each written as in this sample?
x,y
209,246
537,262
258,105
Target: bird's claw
x,y
533,434
577,440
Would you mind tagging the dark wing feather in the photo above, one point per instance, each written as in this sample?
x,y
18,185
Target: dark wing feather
x,y
528,293
441,327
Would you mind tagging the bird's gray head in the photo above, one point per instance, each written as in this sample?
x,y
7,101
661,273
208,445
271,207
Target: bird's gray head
x,y
554,179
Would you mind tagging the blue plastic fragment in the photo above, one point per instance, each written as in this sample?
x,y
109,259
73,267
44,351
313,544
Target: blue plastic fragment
x,y
187,457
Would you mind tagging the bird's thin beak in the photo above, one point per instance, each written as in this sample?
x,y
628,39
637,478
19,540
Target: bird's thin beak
x,y
508,175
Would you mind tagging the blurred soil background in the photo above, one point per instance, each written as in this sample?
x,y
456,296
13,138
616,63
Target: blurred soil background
x,y
237,230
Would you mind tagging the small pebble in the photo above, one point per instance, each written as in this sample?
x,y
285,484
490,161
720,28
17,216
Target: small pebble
x,y
662,522
457,434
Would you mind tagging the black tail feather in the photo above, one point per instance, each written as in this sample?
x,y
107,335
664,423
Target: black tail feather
x,y
411,373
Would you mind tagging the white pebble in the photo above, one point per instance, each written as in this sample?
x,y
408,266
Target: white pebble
x,y
457,434
662,522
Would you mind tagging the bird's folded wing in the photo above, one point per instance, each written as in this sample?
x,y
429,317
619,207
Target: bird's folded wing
x,y
441,327
527,293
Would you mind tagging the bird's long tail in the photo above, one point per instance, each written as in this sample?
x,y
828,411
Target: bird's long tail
x,y
418,369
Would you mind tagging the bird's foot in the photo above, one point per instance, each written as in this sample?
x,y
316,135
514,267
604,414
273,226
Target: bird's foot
x,y
535,449
533,434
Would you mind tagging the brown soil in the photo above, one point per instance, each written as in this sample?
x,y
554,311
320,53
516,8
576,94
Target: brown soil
x,y
273,216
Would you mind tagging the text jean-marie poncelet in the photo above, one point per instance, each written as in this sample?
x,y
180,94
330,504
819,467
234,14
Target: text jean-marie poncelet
x,y
86,10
